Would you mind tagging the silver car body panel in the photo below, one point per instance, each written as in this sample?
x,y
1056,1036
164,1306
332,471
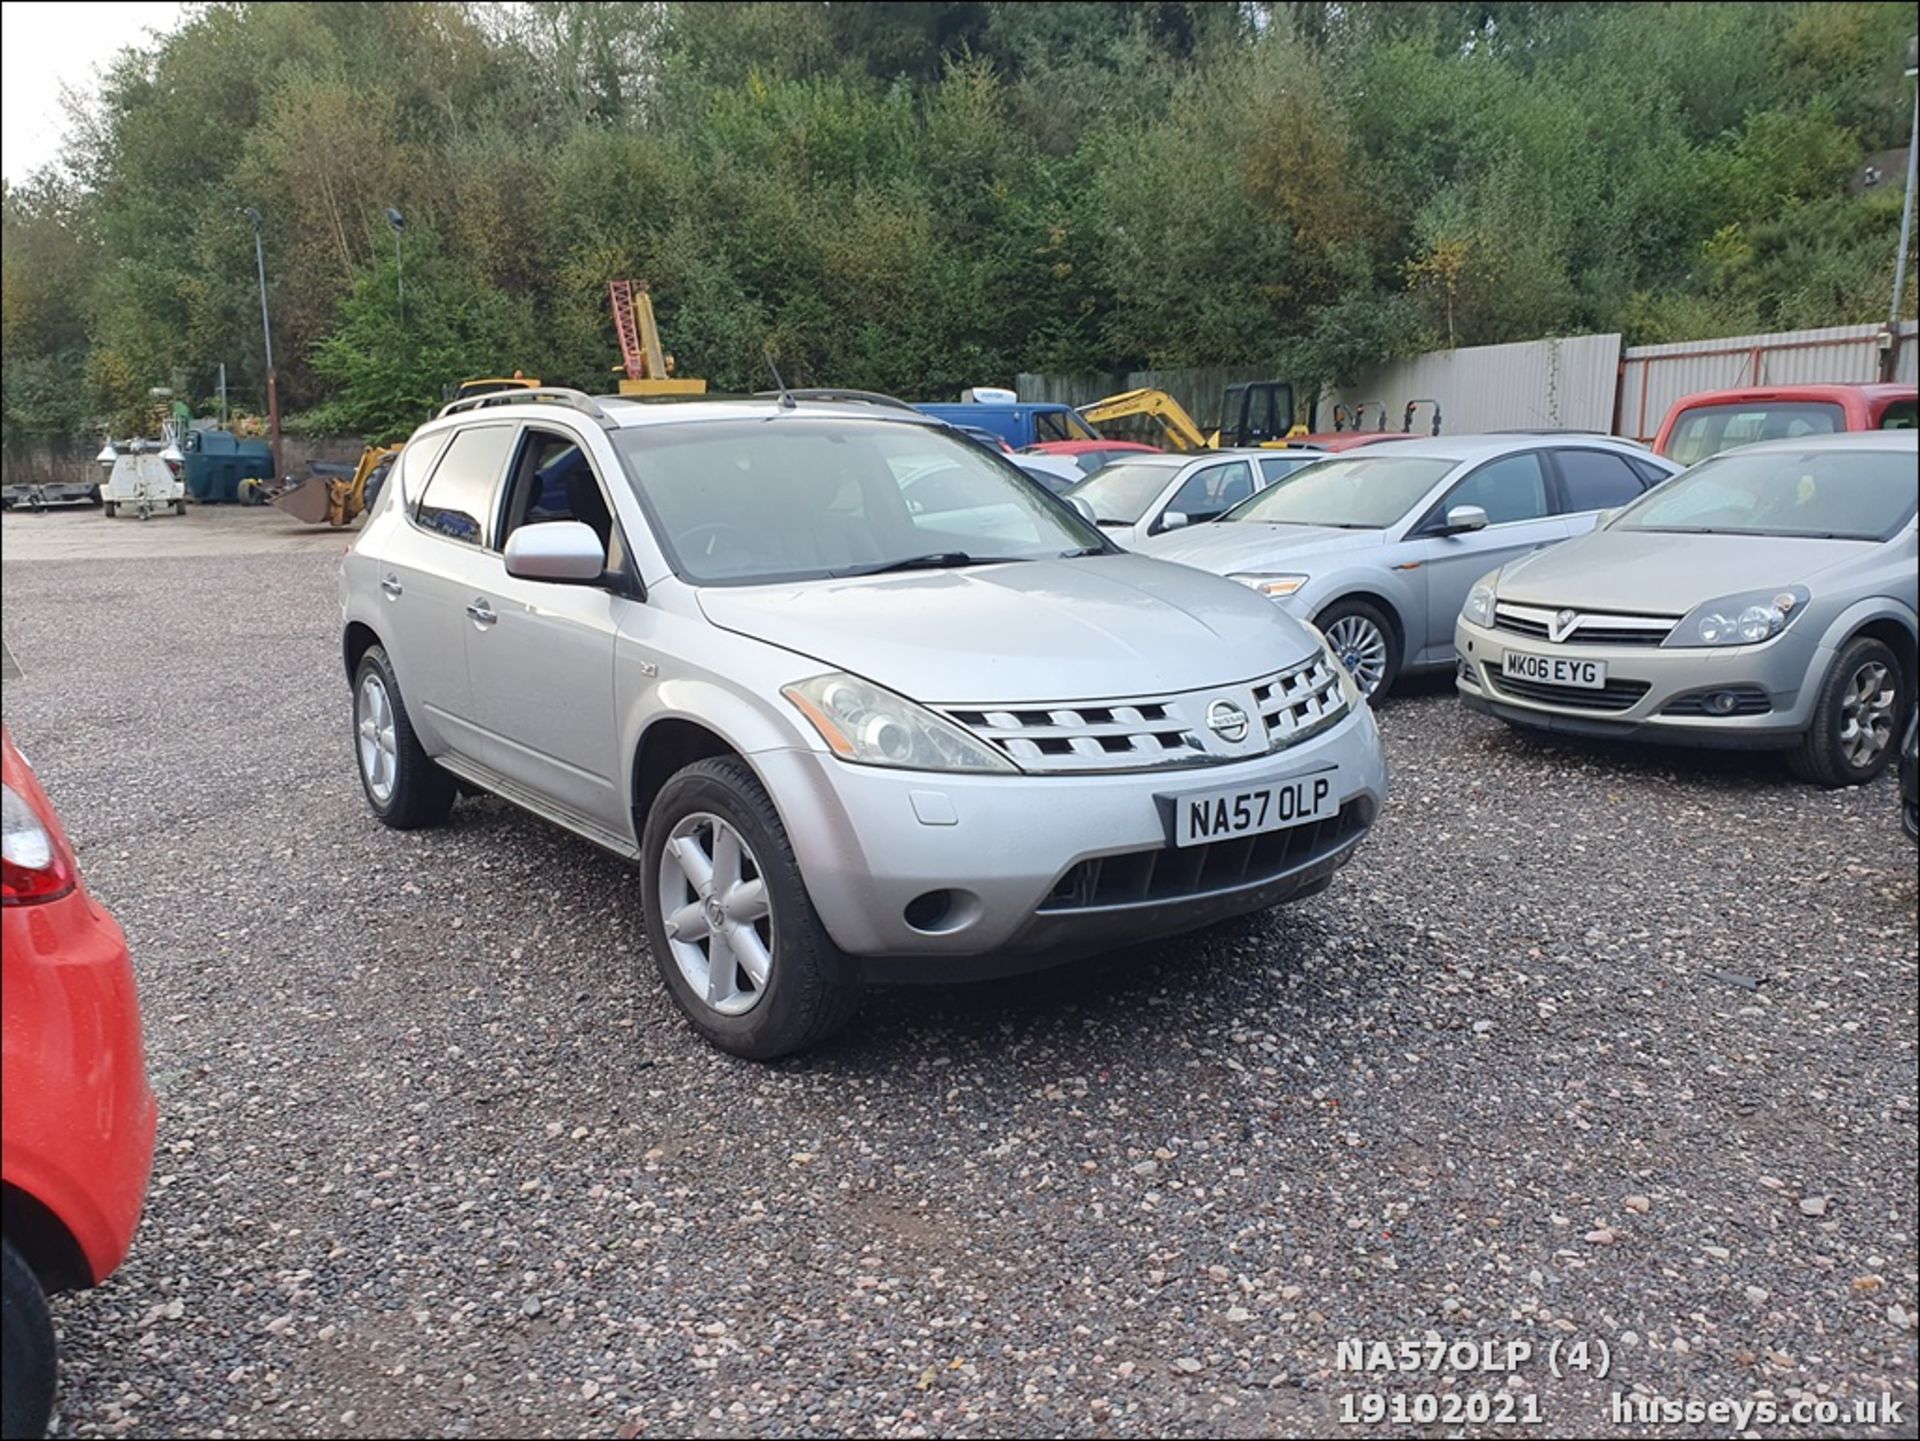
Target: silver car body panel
x,y
1421,579
1612,573
548,695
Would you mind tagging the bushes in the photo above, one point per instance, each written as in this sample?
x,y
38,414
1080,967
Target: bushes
x,y
918,198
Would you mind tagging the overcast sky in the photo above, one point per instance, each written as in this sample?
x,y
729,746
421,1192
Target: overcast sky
x,y
45,44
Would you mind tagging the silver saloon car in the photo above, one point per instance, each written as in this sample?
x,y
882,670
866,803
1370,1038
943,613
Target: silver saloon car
x,y
1141,495
859,699
1379,547
1765,599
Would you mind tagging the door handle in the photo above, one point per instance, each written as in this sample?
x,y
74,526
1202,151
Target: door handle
x,y
482,613
391,586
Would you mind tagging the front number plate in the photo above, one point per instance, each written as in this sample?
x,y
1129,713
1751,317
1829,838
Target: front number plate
x,y
1221,815
1555,670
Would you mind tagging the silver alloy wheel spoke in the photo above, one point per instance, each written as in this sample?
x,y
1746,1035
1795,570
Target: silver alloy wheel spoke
x,y
1361,648
721,984
751,953
717,913
689,923
748,900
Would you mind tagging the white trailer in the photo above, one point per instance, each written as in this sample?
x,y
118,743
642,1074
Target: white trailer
x,y
144,482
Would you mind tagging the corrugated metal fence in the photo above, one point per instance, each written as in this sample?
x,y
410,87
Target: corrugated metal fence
x,y
1563,384
1583,382
1652,377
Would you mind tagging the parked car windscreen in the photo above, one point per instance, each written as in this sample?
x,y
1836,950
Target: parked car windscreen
x,y
795,498
1361,492
1825,494
1120,493
1709,429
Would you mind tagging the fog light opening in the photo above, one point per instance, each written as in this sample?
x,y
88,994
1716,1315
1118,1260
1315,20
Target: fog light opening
x,y
939,913
1722,702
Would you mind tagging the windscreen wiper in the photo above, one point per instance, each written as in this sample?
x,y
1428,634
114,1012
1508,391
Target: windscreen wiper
x,y
934,560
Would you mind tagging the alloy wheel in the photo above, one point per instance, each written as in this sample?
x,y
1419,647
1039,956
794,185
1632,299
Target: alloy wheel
x,y
717,914
379,757
1866,714
1361,648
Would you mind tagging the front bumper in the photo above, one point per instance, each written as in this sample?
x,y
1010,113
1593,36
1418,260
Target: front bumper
x,y
1654,693
1016,852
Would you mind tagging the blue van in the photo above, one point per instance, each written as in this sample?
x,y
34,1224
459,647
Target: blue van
x,y
1019,424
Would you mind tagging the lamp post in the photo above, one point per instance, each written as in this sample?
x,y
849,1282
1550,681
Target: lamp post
x,y
266,331
1890,353
399,223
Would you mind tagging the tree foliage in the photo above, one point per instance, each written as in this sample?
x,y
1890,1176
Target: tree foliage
x,y
919,197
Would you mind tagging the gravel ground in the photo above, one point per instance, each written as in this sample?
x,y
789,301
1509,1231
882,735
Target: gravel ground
x,y
1589,1044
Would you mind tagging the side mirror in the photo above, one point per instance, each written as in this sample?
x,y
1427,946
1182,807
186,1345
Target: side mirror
x,y
1083,508
1174,520
1463,518
1605,518
566,551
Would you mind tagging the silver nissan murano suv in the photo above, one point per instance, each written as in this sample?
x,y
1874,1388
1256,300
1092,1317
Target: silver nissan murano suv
x,y
860,699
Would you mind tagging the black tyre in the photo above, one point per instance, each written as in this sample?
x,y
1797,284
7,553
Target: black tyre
x,y
180,507
402,784
1366,640
1857,717
28,1358
733,932
111,507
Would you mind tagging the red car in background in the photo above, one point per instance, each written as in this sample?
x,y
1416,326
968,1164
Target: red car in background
x,y
1715,420
1090,455
76,1114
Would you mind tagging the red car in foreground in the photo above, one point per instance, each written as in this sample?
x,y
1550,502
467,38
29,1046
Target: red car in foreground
x,y
76,1115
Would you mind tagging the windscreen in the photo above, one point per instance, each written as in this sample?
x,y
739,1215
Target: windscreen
x,y
1851,494
796,497
1709,429
1120,493
1361,492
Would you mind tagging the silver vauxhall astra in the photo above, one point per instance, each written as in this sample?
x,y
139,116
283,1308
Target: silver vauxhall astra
x,y
1764,599
859,699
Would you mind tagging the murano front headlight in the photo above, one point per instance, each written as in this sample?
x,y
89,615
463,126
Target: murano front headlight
x,y
1273,587
1479,607
860,722
1740,619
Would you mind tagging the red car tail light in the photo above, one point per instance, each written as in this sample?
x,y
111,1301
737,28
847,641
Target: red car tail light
x,y
35,864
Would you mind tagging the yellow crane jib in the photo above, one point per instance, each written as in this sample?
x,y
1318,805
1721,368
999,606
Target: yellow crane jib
x,y
1178,427
645,366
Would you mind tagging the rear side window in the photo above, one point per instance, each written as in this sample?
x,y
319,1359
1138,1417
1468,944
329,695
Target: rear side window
x,y
458,502
1596,480
1709,429
1898,416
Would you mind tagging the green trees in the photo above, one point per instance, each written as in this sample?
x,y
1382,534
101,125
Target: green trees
x,y
919,197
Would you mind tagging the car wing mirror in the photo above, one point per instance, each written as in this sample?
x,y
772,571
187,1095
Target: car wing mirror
x,y
566,551
1175,520
1464,518
1083,508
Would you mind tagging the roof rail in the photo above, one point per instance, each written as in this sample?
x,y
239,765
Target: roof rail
x,y
861,397
545,394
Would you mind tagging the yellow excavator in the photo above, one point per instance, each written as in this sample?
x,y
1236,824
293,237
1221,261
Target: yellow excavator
x,y
332,495
1256,412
